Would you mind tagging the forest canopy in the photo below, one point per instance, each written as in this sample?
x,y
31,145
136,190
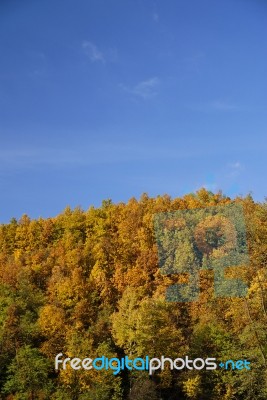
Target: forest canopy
x,y
88,283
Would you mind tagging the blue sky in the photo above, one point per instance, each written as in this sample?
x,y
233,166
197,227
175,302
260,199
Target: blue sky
x,y
110,99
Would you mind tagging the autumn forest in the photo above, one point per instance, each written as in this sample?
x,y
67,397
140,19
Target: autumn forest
x,y
88,283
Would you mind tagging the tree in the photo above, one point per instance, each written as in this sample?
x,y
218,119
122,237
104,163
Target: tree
x,y
28,375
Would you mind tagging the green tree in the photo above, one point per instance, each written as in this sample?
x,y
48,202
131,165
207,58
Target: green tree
x,y
28,375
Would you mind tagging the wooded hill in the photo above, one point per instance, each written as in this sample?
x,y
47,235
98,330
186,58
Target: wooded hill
x,y
88,283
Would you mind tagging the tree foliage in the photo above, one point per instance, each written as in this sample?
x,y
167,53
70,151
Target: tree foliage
x,y
88,283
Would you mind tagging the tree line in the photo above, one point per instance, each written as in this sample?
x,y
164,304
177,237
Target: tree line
x,y
88,283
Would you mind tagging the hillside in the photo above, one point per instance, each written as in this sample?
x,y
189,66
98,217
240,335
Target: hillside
x,y
88,284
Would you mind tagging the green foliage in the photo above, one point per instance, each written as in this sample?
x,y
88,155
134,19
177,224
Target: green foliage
x,y
27,375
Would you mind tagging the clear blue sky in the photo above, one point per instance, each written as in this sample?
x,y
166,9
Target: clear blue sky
x,y
110,99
